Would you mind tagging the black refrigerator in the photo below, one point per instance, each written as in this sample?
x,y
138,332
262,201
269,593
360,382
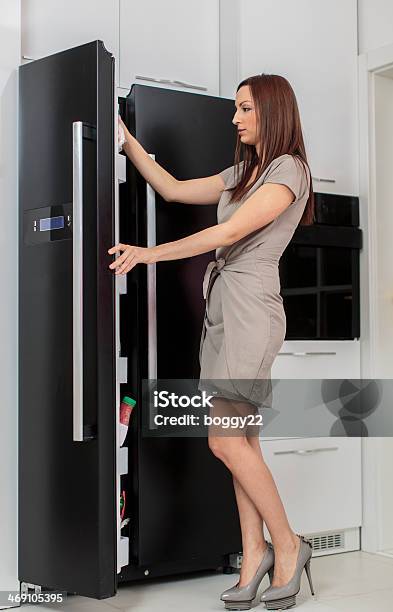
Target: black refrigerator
x,y
86,337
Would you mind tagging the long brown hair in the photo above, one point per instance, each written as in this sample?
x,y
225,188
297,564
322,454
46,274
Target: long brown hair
x,y
279,132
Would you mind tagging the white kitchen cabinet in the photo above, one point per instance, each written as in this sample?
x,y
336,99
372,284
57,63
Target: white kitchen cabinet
x,y
319,481
314,45
171,41
49,26
318,478
298,374
319,359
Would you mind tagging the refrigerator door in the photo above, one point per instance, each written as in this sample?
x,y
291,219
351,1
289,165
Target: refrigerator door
x,y
67,505
185,494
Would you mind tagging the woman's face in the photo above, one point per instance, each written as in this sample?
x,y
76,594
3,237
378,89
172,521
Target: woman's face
x,y
245,116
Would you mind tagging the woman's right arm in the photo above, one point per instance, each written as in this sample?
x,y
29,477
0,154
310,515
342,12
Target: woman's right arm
x,y
205,190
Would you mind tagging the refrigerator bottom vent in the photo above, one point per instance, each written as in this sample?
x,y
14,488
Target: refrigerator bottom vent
x,y
328,541
324,543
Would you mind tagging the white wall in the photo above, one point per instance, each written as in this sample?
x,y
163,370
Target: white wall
x,y
384,224
229,48
9,60
375,24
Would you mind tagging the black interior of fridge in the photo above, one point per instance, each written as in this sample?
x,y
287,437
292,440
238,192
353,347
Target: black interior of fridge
x,y
180,498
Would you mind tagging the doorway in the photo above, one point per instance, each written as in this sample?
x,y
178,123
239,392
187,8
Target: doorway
x,y
376,211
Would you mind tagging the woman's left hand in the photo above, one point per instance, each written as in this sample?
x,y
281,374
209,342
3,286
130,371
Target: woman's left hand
x,y
131,255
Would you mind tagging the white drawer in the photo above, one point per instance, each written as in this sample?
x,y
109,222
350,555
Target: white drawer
x,y
318,359
121,168
121,284
123,552
319,481
122,460
121,371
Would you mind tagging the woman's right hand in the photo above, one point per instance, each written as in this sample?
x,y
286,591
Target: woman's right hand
x,y
122,133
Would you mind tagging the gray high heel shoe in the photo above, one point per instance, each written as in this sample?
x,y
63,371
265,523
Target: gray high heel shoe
x,y
240,598
283,597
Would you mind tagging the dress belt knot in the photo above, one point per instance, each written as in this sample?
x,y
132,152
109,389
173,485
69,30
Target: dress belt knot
x,y
217,264
220,263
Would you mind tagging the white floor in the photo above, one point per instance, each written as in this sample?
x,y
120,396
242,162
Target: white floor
x,y
349,582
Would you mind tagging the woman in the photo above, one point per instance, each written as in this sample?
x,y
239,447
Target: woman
x,y
261,200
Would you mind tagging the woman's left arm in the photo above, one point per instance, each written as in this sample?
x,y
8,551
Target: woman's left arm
x,y
195,244
261,208
269,201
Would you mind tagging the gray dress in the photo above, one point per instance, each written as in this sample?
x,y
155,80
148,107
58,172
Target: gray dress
x,y
244,324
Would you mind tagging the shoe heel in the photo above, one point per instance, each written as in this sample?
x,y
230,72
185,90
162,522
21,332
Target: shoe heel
x,y
271,574
308,572
238,605
281,604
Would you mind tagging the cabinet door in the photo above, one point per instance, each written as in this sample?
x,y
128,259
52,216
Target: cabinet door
x,y
314,45
67,487
172,40
49,26
319,481
318,359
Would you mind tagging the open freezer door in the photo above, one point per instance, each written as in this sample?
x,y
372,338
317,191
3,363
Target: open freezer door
x,y
67,472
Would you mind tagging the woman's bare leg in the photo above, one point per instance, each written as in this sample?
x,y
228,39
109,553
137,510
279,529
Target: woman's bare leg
x,y
251,524
249,469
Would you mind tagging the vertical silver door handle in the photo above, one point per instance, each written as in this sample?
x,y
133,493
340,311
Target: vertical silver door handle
x,y
77,280
151,282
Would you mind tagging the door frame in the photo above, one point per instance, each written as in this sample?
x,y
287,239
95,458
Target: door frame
x,y
370,65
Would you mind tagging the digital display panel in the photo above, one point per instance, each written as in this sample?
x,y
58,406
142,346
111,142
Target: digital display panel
x,y
51,223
